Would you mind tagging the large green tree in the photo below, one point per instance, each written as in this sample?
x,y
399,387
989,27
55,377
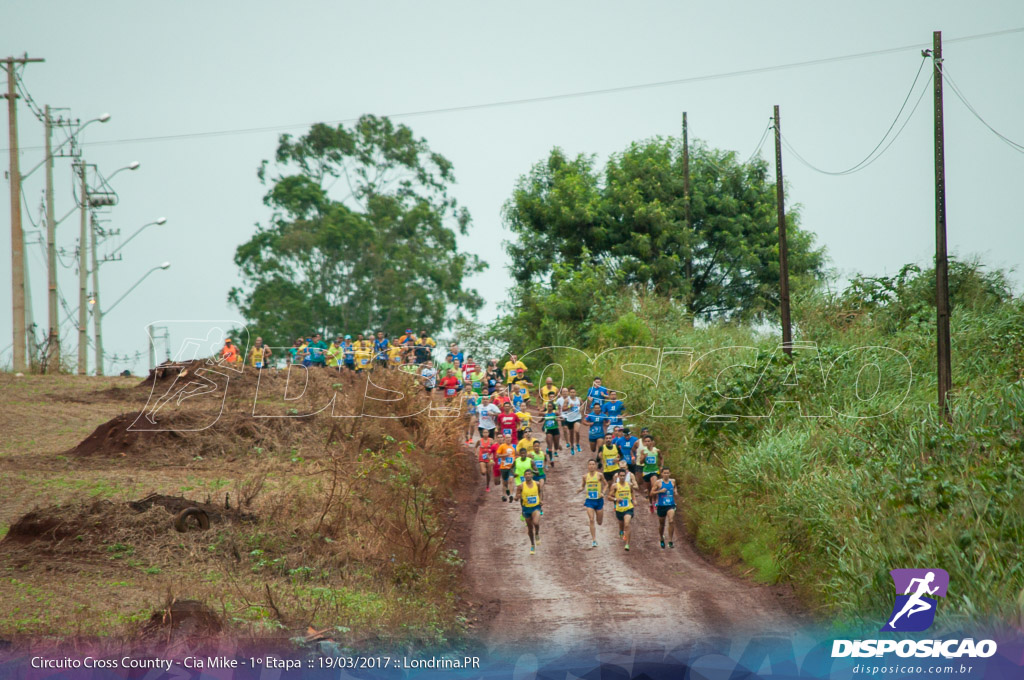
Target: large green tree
x,y
362,235
629,222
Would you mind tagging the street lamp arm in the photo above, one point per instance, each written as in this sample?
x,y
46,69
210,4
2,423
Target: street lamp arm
x,y
109,309
102,119
137,232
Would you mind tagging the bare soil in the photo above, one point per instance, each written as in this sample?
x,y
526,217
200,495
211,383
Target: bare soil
x,y
570,597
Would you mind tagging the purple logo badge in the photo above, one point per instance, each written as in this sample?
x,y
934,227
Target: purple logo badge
x,y
916,593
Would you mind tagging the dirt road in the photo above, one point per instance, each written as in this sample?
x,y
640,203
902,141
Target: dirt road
x,y
577,598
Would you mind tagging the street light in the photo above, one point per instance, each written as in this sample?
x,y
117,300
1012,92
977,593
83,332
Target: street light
x,y
102,119
159,220
99,314
104,196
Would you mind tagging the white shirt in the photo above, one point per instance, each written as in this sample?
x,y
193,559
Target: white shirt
x,y
569,407
431,376
487,414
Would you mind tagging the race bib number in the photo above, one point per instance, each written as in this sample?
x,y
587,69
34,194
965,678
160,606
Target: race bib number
x,y
531,500
539,464
650,460
508,461
608,462
623,503
592,495
507,432
450,392
476,384
259,364
364,361
484,456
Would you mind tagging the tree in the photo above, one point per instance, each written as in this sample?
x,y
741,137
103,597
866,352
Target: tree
x,y
629,222
382,256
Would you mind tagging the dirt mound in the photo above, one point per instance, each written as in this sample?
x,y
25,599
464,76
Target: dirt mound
x,y
182,618
194,413
109,520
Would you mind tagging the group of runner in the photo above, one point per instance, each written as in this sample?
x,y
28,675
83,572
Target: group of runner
x,y
363,353
623,468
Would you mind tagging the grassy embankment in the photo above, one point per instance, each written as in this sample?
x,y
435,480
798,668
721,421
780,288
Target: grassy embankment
x,y
830,504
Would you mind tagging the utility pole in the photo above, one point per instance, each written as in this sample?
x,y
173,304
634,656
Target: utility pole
x,y
53,337
787,331
17,238
945,371
152,347
83,271
686,207
97,312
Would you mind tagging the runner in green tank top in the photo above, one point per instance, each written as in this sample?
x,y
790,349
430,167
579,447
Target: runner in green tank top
x,y
651,458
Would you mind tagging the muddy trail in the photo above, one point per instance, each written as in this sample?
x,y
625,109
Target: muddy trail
x,y
572,597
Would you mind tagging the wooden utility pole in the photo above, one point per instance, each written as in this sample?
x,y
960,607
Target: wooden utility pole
x,y
53,337
686,207
787,331
945,371
17,238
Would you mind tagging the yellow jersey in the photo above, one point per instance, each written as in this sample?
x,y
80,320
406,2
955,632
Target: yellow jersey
x,y
530,495
548,393
609,458
623,494
526,444
593,485
515,370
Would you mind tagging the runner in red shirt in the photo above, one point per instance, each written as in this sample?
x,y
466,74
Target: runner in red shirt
x,y
501,398
485,451
508,423
449,384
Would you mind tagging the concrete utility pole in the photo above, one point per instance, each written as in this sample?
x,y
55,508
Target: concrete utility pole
x,y
943,345
83,271
787,330
17,238
53,337
97,312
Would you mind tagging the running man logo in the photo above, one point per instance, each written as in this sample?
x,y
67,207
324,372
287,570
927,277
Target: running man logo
x,y
916,593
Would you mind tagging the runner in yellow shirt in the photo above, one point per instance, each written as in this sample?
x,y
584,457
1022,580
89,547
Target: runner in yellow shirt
x,y
514,370
596,488
363,353
621,493
529,496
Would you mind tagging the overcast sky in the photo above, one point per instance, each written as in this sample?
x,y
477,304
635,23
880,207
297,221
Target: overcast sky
x,y
168,71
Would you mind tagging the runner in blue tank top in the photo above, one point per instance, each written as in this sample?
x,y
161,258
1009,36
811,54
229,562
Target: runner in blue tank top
x,y
664,490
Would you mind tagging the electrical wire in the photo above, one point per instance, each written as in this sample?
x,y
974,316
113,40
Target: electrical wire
x,y
550,98
881,153
757,149
1019,148
866,161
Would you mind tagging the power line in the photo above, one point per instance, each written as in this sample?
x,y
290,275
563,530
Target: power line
x,y
549,98
956,90
757,149
863,163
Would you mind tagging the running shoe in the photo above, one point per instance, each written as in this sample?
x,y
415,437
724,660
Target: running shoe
x,y
663,545
627,547
504,499
487,489
652,508
593,544
622,535
533,550
671,544
538,540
